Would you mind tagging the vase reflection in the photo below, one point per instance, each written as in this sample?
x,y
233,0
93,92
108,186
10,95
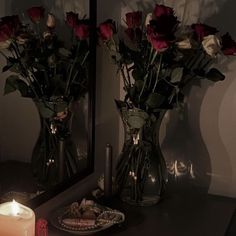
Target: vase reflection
x,y
179,168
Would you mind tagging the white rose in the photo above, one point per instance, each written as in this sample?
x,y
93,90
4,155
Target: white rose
x,y
211,45
148,19
51,21
184,44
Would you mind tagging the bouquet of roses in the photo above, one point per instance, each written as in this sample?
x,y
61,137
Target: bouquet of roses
x,y
158,57
53,73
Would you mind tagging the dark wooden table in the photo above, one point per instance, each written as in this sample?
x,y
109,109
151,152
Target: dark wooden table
x,y
177,215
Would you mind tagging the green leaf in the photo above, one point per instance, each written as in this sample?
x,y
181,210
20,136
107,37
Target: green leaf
x,y
135,118
155,100
215,75
137,74
176,75
15,68
13,83
139,85
64,52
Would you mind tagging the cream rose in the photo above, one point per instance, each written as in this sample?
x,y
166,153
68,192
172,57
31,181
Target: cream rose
x,y
148,18
51,21
184,44
5,44
211,45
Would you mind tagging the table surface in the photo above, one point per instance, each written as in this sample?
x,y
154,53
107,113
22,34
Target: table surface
x,y
177,214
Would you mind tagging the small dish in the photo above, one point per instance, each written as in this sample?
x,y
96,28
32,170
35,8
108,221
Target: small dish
x,y
106,218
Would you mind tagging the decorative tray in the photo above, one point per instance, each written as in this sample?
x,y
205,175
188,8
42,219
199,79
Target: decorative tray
x,y
85,218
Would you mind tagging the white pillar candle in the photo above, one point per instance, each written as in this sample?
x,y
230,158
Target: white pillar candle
x,y
16,220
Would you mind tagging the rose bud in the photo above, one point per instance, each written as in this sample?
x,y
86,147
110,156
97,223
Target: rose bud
x,y
51,21
71,19
82,31
211,45
202,30
106,30
36,14
134,19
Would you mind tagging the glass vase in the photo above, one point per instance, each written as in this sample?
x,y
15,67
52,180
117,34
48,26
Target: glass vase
x,y
54,157
141,173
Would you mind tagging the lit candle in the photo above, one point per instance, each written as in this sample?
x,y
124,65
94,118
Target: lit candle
x,y
108,172
16,220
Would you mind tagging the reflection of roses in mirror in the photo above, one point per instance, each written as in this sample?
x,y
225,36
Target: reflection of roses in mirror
x,y
72,19
134,19
44,68
36,14
107,29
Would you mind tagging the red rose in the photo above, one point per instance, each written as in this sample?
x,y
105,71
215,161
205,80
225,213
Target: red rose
x,y
9,26
106,30
82,31
228,45
36,14
161,10
202,30
134,19
159,44
5,32
71,19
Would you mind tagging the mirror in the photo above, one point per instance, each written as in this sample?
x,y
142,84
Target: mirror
x,y
37,159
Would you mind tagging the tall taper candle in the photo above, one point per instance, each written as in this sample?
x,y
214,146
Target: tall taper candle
x,y
108,172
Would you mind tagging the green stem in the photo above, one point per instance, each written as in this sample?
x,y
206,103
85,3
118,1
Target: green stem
x,y
71,70
158,73
142,90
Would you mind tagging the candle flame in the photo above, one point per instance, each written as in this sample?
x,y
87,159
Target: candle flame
x,y
15,208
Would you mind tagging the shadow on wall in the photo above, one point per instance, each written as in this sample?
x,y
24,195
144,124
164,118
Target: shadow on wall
x,y
194,147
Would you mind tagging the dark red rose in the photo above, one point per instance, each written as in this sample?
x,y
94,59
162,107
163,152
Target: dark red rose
x,y
228,45
202,30
107,29
161,10
134,19
36,14
82,31
135,35
5,32
72,19
159,42
164,26
9,25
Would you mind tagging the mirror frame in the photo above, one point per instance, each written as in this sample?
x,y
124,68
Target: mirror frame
x,y
40,199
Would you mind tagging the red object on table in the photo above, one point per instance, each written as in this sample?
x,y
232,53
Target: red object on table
x,y
41,227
